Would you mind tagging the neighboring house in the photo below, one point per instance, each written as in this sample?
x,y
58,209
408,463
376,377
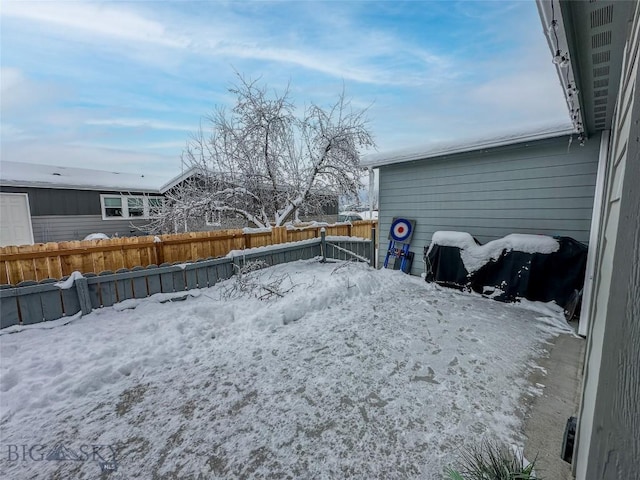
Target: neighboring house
x,y
44,203
538,183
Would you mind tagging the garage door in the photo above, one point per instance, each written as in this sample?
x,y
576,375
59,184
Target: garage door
x,y
15,219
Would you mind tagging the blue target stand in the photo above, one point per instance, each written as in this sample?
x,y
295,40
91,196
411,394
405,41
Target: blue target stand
x,y
398,255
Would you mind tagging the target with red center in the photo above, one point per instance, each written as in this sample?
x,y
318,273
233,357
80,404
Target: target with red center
x,y
401,230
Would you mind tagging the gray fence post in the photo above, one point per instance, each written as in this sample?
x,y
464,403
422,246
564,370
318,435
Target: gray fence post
x,y
82,287
323,244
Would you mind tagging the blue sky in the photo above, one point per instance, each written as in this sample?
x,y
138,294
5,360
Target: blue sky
x,y
121,85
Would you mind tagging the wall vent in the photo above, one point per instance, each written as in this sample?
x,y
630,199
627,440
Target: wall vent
x,y
600,115
600,125
601,57
601,93
602,16
601,101
601,71
603,82
600,108
600,40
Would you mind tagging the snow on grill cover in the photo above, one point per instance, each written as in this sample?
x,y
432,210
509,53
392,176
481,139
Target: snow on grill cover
x,y
535,267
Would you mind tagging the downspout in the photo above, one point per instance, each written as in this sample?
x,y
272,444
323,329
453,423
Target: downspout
x,y
371,187
374,252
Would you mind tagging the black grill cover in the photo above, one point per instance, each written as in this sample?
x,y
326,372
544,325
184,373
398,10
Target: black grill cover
x,y
535,276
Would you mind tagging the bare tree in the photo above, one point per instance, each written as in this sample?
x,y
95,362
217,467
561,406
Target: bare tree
x,y
262,162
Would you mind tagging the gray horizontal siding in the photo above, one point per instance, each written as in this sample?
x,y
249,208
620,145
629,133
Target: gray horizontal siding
x,y
539,187
51,201
58,228
60,201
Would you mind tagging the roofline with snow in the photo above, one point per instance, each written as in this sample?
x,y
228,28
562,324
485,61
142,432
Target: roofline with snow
x,y
179,179
444,150
31,175
73,186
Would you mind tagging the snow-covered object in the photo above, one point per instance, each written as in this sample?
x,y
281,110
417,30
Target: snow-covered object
x,y
343,238
355,372
474,256
96,236
250,230
267,248
367,215
68,283
304,225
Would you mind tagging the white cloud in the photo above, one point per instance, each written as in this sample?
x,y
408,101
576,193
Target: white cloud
x,y
10,133
140,123
94,19
345,54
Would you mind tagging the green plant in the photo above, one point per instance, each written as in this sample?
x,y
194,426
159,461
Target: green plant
x,y
491,461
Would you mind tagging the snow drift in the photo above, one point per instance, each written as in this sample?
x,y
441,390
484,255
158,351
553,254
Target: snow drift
x,y
352,373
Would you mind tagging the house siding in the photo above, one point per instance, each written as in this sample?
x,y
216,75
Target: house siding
x,y
540,187
608,437
60,215
62,228
58,201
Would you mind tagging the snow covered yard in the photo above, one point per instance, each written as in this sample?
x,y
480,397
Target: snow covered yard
x,y
352,373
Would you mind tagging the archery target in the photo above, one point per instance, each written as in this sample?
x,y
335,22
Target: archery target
x,y
401,230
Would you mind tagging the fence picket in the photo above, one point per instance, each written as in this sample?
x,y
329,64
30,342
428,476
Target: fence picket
x,y
107,289
30,305
14,272
8,306
70,301
124,289
51,301
166,280
139,284
41,265
4,277
201,275
153,281
94,291
191,276
179,283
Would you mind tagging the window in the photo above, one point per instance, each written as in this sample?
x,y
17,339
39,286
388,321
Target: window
x,y
136,206
129,206
112,207
155,203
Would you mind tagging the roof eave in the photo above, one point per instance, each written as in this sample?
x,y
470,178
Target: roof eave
x,y
550,12
58,186
472,147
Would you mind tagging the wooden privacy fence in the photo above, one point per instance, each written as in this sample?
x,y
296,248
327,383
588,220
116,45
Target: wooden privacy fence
x,y
56,260
31,302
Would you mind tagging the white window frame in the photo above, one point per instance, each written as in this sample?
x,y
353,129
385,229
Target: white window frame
x,y
125,206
